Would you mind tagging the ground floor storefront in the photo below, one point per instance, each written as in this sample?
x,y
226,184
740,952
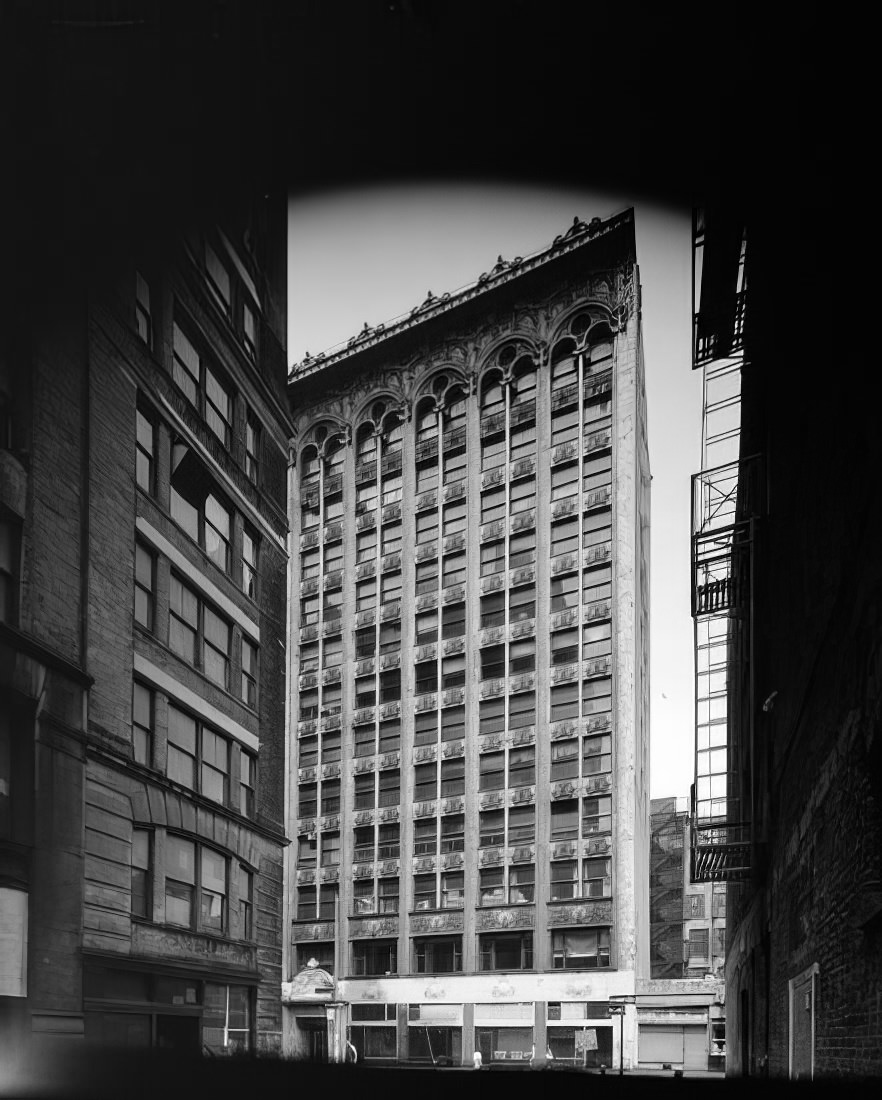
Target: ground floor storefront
x,y
586,1021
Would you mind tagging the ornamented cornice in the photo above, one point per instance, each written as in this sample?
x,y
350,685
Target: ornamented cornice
x,y
620,300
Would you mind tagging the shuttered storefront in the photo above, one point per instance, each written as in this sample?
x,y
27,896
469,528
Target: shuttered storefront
x,y
682,1045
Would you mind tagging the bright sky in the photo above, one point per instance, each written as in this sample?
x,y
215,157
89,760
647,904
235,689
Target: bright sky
x,y
373,253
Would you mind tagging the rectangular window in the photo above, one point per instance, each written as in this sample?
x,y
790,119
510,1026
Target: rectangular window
x,y
426,677
215,646
563,880
365,642
564,592
597,696
493,610
522,657
521,883
492,662
198,509
390,685
522,711
521,604
250,543
195,885
521,825
142,863
522,495
454,570
10,550
452,889
426,527
327,902
492,558
390,788
426,577
597,754
452,723
491,775
246,903
143,318
249,330
490,887
580,948
564,702
425,782
214,776
452,777
389,841
247,783
249,674
218,278
182,748
365,740
565,819
202,386
596,815
521,550
252,448
365,795
426,728
374,958
306,900
142,724
145,452
330,849
387,895
564,537
438,954
596,878
307,800
186,365
564,759
597,640
492,716
491,829
506,951
364,896
425,892
521,767
363,838
331,796
426,628
492,506
453,621
565,647
425,836
145,585
452,832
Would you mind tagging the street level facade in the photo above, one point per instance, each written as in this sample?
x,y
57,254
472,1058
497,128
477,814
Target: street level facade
x,y
142,483
469,673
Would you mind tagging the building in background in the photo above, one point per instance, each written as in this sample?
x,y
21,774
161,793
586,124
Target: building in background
x,y
681,1009
469,783
786,599
142,647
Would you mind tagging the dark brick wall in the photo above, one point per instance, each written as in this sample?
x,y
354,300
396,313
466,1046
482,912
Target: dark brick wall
x,y
818,630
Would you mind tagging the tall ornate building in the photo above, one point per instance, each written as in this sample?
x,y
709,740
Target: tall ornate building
x,y
469,683
143,524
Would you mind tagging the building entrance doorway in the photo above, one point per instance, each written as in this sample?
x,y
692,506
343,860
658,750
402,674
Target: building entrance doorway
x,y
315,1034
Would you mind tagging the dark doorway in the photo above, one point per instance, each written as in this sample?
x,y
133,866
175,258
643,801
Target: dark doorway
x,y
177,1032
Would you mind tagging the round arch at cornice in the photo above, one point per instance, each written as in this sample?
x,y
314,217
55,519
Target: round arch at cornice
x,y
427,386
487,359
599,313
311,435
394,403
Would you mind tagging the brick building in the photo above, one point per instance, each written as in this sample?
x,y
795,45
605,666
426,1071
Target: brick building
x,y
142,511
469,784
787,587
681,1009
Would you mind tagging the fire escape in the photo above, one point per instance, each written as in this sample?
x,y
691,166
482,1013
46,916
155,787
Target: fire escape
x,y
725,510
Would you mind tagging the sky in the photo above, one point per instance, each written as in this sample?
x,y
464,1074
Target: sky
x,y
370,254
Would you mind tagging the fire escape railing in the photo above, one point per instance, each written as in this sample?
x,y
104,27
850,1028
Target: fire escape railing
x,y
725,506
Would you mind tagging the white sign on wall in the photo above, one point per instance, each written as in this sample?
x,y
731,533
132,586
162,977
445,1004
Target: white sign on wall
x,y
13,943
